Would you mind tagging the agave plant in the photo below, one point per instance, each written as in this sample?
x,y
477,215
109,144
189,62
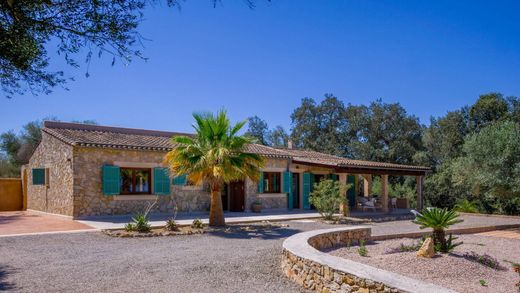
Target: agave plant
x,y
439,220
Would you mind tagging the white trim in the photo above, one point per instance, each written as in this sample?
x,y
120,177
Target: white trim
x,y
272,195
136,197
199,187
136,165
50,214
274,170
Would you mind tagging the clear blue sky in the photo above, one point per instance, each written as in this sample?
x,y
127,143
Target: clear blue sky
x,y
431,56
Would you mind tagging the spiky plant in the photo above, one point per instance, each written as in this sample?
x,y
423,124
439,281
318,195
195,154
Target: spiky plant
x,y
214,155
466,206
439,220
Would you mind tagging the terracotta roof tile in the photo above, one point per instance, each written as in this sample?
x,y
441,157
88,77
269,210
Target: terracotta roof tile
x,y
140,139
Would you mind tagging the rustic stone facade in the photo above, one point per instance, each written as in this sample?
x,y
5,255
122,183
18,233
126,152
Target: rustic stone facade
x,y
90,201
75,182
57,196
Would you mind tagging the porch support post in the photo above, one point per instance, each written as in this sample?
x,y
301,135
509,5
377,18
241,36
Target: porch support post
x,y
384,191
420,182
343,209
367,185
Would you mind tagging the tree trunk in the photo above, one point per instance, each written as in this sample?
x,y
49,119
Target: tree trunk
x,y
439,238
216,213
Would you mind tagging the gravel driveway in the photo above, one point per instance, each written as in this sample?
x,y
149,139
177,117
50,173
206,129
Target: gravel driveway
x,y
214,262
93,262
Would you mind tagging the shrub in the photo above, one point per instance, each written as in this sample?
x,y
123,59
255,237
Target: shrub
x,y
327,198
466,206
129,227
439,220
141,223
197,224
362,250
171,225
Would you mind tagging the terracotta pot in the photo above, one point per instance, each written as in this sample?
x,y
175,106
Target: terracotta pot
x,y
256,207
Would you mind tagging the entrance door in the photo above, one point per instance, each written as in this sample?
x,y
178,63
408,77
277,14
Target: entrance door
x,y
224,195
236,196
296,190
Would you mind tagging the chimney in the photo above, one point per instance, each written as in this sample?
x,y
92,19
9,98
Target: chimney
x,y
289,144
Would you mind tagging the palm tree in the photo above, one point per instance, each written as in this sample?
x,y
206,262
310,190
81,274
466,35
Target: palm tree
x,y
214,155
439,220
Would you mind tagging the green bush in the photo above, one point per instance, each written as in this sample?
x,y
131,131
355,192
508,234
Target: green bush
x,y
466,206
141,223
362,250
197,224
327,198
171,225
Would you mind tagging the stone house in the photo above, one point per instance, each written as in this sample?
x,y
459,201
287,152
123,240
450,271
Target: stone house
x,y
81,170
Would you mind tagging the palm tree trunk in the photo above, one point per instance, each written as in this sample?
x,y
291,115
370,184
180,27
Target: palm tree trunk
x,y
439,237
216,213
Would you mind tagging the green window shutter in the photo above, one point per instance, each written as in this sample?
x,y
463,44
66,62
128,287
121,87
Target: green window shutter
x,y
180,180
306,190
351,192
111,180
161,181
334,177
38,176
261,183
287,188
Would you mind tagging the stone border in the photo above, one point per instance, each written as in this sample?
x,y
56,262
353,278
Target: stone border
x,y
306,265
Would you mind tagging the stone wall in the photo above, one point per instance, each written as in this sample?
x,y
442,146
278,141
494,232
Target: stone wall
x,y
304,263
271,200
57,196
89,199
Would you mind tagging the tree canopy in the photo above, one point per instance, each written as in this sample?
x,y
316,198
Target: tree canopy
x,y
29,28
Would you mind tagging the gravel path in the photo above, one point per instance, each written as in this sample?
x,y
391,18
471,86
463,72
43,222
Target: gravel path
x,y
216,262
92,262
448,270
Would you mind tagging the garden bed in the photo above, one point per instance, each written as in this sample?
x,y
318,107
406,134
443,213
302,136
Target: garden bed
x,y
462,270
154,232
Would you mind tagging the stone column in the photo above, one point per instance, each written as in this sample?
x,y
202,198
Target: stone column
x,y
367,185
384,191
420,182
344,207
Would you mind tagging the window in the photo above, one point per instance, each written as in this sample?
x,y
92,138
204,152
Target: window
x,y
38,176
272,182
135,181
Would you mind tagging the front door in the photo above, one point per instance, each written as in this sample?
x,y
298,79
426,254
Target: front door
x,y
296,190
236,196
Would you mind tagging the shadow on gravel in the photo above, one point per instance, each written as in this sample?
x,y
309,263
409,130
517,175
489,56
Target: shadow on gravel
x,y
264,232
4,285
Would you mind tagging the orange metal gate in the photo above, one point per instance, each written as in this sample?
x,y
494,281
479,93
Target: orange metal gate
x,y
11,194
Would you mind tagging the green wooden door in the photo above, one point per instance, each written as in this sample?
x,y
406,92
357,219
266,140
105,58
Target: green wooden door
x,y
351,192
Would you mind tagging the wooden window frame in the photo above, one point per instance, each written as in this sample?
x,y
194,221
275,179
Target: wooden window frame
x,y
133,169
270,188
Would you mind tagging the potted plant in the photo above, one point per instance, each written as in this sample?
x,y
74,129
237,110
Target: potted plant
x,y
256,207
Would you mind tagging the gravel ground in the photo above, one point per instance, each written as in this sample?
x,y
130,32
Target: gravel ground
x,y
233,261
237,261
448,270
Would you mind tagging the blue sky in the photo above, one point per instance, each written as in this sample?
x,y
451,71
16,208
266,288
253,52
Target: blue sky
x,y
431,56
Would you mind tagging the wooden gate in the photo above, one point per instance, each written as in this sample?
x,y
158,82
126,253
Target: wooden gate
x,y
11,194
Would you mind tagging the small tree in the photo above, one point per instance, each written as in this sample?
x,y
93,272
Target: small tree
x,y
439,220
327,197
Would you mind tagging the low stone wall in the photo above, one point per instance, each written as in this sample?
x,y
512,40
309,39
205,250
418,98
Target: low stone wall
x,y
306,265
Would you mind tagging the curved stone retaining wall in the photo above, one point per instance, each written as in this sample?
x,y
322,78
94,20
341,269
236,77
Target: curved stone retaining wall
x,y
306,265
